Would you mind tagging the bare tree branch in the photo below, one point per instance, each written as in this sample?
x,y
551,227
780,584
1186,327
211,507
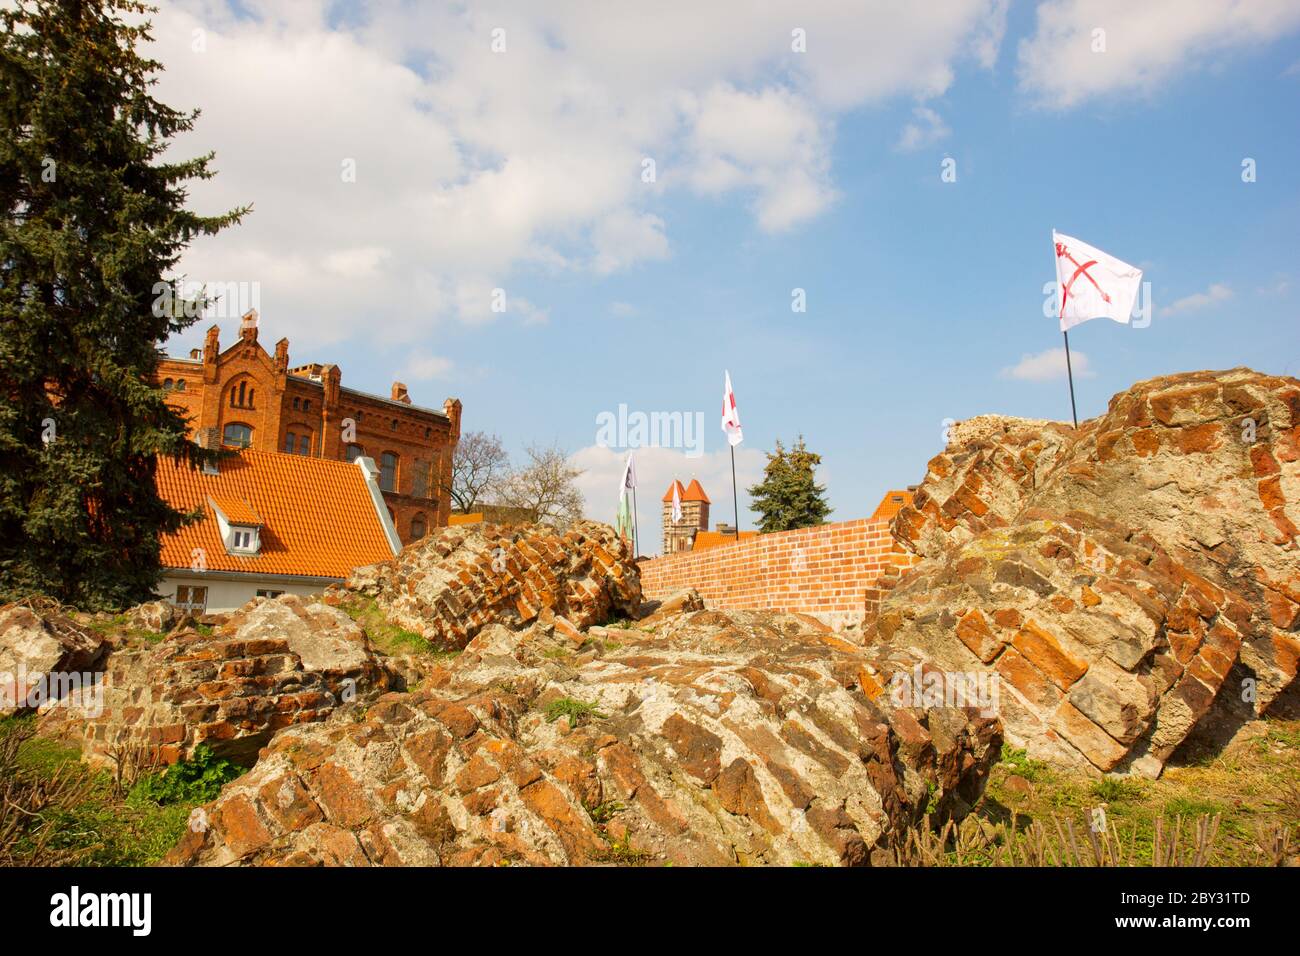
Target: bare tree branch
x,y
478,465
545,487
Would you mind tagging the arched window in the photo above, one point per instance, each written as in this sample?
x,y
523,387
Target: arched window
x,y
304,444
418,527
180,385
290,442
237,435
355,451
388,471
241,396
167,385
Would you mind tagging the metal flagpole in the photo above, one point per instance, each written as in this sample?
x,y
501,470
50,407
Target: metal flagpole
x,y
735,501
1070,374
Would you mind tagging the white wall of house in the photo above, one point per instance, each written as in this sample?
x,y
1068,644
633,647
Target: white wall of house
x,y
228,593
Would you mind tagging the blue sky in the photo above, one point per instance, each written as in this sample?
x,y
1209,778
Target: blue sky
x,y
775,170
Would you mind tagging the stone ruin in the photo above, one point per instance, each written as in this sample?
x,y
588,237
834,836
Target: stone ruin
x,y
1132,585
459,580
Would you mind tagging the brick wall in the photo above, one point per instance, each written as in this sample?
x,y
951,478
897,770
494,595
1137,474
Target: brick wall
x,y
835,571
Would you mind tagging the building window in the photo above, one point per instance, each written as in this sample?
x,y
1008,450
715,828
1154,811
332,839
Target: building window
x,y
191,599
243,541
355,451
241,396
418,528
167,385
306,404
392,426
304,444
237,435
289,442
263,592
388,471
180,385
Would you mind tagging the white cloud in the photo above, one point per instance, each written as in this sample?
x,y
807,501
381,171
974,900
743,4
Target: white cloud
x,y
471,165
421,367
1218,292
770,143
1146,43
1048,365
624,237
656,468
361,263
926,129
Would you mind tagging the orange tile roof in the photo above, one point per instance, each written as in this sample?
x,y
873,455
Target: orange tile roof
x,y
681,492
318,518
695,492
236,510
711,539
892,504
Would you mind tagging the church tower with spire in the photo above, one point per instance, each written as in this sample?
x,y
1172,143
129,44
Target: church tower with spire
x,y
680,535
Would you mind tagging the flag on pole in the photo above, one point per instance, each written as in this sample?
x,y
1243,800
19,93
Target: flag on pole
x,y
677,504
629,473
730,415
1092,284
624,523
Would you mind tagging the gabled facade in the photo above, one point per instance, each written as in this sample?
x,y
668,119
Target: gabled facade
x,y
245,397
272,524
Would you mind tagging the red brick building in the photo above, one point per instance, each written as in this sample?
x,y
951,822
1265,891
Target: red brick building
x,y
245,397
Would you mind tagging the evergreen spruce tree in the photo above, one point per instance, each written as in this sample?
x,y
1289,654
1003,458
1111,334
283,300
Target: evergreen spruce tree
x,y
789,496
94,221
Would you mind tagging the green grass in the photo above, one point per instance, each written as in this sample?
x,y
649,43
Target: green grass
x,y
386,636
621,853
602,813
1251,786
576,711
100,825
1022,766
1115,790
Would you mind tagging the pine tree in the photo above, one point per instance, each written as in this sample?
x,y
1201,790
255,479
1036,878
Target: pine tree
x,y
789,496
94,222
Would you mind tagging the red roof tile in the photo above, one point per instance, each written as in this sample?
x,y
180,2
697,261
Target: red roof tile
x,y
892,503
695,492
711,539
681,492
317,516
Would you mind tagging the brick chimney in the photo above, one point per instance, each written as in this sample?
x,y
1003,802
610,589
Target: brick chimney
x,y
248,326
399,393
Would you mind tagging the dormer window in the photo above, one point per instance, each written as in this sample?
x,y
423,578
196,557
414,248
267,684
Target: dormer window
x,y
239,524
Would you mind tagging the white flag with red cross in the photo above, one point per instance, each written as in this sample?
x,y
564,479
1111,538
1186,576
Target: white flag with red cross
x,y
1091,284
730,415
